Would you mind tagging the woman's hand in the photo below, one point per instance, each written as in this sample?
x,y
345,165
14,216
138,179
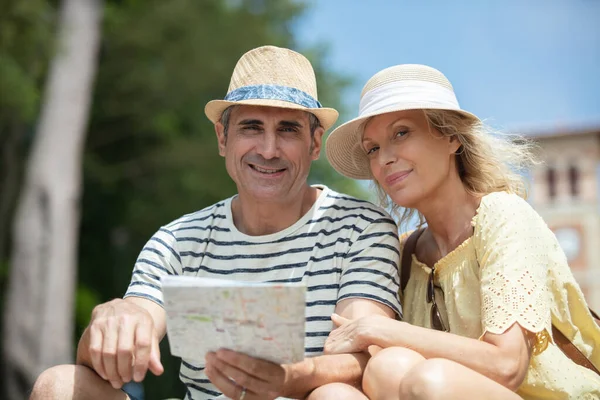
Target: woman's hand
x,y
353,336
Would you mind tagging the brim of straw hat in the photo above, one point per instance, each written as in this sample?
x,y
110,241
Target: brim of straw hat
x,y
344,149
214,109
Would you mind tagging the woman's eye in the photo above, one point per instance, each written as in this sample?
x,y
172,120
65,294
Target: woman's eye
x,y
401,133
372,150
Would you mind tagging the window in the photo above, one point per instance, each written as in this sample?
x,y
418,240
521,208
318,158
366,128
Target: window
x,y
574,180
551,180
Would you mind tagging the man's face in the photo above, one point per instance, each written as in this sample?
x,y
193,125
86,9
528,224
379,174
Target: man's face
x,y
268,151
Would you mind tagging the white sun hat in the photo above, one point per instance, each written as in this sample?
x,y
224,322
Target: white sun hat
x,y
273,77
397,88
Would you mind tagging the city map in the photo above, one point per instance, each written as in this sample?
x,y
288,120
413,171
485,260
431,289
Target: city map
x,y
264,320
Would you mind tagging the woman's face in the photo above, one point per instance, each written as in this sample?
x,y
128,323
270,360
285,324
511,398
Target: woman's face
x,y
410,160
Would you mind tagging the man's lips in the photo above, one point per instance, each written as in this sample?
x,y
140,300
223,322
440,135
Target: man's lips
x,y
267,171
396,177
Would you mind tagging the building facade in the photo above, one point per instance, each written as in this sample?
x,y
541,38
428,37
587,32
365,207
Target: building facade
x,y
565,190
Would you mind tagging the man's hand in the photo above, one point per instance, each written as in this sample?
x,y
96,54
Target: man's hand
x,y
240,376
121,343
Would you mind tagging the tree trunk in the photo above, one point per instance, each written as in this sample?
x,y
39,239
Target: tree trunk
x,y
38,319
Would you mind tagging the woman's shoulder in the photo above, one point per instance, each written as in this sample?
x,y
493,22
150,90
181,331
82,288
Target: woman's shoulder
x,y
508,213
499,199
505,204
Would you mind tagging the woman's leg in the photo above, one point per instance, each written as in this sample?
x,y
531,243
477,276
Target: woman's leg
x,y
439,378
385,371
336,391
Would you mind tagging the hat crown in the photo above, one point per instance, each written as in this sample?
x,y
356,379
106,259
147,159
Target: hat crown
x,y
271,65
407,72
270,76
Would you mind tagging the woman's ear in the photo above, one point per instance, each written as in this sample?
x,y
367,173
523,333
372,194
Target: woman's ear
x,y
454,145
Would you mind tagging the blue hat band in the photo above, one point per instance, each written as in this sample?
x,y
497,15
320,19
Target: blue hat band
x,y
273,92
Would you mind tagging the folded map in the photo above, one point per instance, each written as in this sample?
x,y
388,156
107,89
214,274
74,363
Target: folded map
x,y
263,320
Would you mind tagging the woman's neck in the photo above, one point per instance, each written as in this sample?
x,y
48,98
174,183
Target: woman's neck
x,y
449,214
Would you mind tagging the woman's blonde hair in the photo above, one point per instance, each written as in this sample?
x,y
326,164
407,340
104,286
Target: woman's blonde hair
x,y
487,161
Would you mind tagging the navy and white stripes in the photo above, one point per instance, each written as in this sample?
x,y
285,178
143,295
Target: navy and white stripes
x,y
342,248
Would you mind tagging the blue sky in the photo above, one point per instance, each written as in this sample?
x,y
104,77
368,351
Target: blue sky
x,y
524,66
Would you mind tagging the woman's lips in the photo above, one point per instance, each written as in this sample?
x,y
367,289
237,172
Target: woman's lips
x,y
396,177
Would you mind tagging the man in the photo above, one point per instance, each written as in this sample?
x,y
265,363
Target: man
x,y
277,228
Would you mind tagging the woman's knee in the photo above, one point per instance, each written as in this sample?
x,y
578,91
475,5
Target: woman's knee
x,y
427,380
386,369
334,391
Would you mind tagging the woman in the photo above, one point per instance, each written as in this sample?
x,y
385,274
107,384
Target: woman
x,y
486,272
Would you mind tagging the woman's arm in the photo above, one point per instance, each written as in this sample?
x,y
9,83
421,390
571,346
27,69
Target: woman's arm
x,y
503,358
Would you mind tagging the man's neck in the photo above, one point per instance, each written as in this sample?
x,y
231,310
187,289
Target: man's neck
x,y
264,218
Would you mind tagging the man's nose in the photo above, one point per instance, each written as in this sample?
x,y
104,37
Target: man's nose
x,y
268,147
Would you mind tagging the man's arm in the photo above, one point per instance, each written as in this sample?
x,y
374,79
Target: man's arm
x,y
121,341
355,308
371,273
345,368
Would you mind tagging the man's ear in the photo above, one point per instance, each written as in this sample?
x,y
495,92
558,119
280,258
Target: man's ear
x,y
317,143
221,138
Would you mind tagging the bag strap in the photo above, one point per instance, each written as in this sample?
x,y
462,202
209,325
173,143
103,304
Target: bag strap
x,y
571,350
407,252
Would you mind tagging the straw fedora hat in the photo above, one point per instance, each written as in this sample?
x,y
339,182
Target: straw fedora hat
x,y
397,88
273,77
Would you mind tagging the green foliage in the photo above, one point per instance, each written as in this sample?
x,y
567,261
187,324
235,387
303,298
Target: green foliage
x,y
3,282
26,29
85,301
330,84
3,271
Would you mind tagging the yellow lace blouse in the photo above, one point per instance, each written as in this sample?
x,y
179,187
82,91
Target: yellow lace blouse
x,y
513,270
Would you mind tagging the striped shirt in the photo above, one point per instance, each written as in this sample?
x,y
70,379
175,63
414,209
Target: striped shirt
x,y
341,248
